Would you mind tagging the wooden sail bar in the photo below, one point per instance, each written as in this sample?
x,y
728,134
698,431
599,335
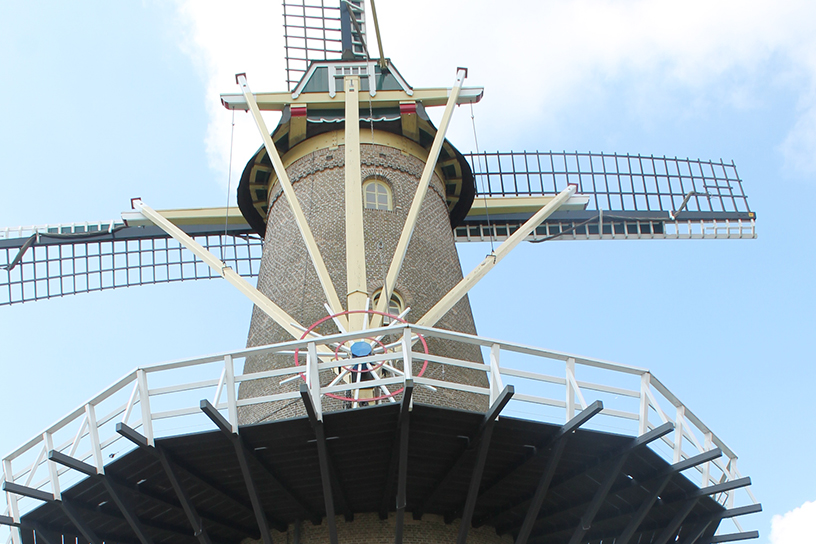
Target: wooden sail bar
x,y
434,96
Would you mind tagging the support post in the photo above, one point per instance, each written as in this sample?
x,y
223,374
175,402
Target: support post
x,y
419,198
313,380
643,510
294,203
696,532
566,429
570,367
126,508
679,424
232,402
402,471
557,449
72,514
643,416
632,445
407,357
13,504
496,385
259,299
466,284
597,500
671,529
478,469
53,473
187,505
144,406
323,460
243,462
93,433
475,442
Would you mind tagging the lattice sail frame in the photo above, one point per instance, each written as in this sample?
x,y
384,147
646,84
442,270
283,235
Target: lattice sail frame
x,y
312,31
631,197
76,261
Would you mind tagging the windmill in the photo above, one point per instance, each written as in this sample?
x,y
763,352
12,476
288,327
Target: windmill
x,y
669,212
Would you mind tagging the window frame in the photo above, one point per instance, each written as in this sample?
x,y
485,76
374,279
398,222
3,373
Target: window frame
x,y
378,182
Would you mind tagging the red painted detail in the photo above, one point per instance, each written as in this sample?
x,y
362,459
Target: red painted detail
x,y
298,111
407,108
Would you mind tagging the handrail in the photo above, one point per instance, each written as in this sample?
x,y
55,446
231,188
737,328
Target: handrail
x,y
645,400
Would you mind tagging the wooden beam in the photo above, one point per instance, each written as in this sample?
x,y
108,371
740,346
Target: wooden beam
x,y
257,508
472,447
634,443
277,101
323,460
468,282
402,472
598,500
260,300
539,450
419,198
294,203
557,445
356,279
189,508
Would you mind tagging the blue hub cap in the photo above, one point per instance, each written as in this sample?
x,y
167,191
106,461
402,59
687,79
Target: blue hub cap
x,y
360,349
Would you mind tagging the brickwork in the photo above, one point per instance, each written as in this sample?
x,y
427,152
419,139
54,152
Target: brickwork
x,y
288,278
370,529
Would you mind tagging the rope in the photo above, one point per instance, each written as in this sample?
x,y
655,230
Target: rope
x,y
229,183
484,194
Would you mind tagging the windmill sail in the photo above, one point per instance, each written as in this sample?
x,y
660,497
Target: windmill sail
x,y
315,31
630,196
626,197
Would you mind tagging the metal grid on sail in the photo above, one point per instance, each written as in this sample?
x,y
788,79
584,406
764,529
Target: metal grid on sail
x,y
616,182
312,31
631,197
66,266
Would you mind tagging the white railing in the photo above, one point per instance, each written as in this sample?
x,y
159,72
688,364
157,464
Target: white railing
x,y
550,386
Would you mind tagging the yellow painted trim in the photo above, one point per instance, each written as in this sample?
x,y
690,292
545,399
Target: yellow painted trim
x,y
434,96
521,204
195,216
336,138
495,205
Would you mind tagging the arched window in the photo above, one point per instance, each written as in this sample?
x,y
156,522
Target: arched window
x,y
377,195
395,305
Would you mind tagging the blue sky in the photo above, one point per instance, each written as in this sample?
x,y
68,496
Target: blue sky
x,y
108,101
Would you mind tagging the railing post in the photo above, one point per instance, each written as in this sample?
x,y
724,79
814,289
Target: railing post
x,y
313,379
407,358
144,405
53,475
93,434
495,374
11,499
679,423
570,390
709,439
643,416
232,404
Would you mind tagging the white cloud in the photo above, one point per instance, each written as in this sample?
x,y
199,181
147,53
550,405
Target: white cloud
x,y
690,56
795,527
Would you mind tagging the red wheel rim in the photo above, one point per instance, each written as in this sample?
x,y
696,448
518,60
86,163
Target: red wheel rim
x,y
336,358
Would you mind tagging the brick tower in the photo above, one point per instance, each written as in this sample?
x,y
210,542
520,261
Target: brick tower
x,y
394,145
